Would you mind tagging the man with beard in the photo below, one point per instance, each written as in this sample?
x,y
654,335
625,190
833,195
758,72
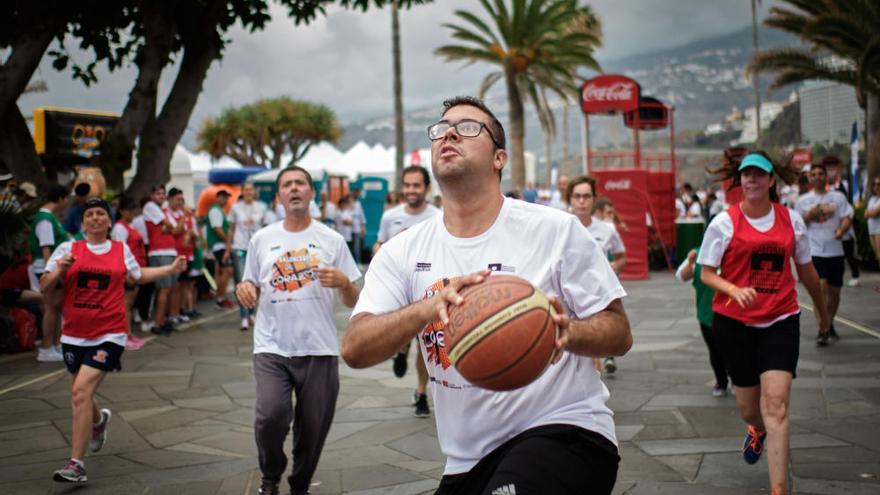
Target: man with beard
x,y
556,434
414,210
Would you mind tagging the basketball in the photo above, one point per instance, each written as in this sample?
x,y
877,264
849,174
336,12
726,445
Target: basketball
x,y
502,337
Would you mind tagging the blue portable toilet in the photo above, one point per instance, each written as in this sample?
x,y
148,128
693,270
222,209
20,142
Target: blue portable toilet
x,y
373,192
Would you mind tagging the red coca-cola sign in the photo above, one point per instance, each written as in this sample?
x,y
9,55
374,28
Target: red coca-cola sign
x,y
801,157
610,93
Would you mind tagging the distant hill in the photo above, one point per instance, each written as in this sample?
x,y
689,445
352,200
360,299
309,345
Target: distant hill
x,y
703,79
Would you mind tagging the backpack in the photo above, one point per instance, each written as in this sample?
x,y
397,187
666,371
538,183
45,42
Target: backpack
x,y
8,337
25,328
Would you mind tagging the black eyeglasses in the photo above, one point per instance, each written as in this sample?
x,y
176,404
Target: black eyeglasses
x,y
465,128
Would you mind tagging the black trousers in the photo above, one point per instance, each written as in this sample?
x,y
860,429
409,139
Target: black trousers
x,y
715,358
849,251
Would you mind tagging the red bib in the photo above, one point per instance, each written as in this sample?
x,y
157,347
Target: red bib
x,y
761,260
94,287
159,240
135,243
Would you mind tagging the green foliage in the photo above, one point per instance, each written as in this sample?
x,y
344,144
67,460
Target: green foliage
x,y
260,132
16,222
538,45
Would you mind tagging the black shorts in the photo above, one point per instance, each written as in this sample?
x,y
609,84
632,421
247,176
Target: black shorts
x,y
184,275
750,351
557,459
831,269
105,356
218,255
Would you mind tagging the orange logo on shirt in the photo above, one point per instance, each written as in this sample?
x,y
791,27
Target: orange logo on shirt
x,y
101,356
293,270
432,334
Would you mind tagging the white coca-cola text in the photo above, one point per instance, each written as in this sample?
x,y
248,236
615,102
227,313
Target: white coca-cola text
x,y
618,185
619,91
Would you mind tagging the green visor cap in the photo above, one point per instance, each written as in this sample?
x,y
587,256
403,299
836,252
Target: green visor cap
x,y
756,160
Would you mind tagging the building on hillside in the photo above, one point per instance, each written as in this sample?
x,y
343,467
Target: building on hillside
x,y
828,111
769,111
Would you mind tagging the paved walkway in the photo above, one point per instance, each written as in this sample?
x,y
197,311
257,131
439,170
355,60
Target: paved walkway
x,y
183,415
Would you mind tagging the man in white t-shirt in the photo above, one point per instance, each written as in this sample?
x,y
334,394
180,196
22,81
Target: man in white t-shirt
x,y
416,189
294,271
555,435
558,199
245,219
828,216
359,224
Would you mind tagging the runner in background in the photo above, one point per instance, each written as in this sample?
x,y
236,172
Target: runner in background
x,y
220,245
747,255
245,219
123,232
95,330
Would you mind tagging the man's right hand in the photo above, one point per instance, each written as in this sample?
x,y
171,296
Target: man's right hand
x,y
692,256
247,294
437,307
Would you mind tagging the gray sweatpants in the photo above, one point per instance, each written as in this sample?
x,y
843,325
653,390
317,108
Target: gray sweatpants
x,y
315,380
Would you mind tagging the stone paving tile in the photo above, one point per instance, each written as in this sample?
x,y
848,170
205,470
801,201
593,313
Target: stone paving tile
x,y
381,432
375,477
413,488
165,438
420,446
361,457
165,458
216,471
30,440
727,444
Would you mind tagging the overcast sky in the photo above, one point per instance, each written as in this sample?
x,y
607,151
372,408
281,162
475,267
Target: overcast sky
x,y
344,59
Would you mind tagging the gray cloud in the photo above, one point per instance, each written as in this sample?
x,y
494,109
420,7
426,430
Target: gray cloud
x,y
344,59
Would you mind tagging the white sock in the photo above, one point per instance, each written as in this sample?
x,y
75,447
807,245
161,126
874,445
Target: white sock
x,y
81,463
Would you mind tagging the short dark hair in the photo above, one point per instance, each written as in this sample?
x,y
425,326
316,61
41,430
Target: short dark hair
x,y
602,202
57,193
495,126
96,202
221,192
584,179
420,169
174,192
819,166
82,189
294,168
157,187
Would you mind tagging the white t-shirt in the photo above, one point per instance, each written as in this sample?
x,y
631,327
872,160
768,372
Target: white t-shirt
x,y
874,222
140,224
358,218
557,202
215,221
606,237
134,271
248,219
695,210
547,247
154,214
119,233
720,231
397,219
680,208
821,230
341,217
296,314
45,237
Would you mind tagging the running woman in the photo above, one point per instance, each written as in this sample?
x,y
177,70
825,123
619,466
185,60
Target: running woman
x,y
95,330
757,317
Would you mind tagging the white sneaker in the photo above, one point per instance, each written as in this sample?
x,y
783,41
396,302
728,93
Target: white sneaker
x,y
853,282
182,318
50,355
147,326
137,317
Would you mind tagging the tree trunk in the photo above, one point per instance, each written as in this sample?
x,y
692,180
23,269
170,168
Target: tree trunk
x,y
161,134
18,153
117,149
399,143
517,131
872,138
16,145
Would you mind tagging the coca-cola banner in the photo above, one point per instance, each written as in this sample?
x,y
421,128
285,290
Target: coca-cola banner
x,y
610,93
628,190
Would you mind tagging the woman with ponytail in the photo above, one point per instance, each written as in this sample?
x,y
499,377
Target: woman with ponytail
x,y
746,258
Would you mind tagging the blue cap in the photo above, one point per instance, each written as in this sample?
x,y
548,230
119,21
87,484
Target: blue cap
x,y
756,160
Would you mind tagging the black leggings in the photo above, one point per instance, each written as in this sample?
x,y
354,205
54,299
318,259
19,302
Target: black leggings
x,y
715,358
849,250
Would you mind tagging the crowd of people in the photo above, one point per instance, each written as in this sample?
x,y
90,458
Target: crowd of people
x,y
293,260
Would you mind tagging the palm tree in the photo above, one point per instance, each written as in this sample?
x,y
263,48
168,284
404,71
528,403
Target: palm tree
x,y
538,45
843,46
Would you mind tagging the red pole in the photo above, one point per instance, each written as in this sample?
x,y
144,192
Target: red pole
x,y
589,164
638,146
672,141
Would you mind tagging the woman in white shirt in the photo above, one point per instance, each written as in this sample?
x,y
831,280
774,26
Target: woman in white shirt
x,y
872,213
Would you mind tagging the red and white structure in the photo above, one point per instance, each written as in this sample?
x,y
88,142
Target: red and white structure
x,y
638,183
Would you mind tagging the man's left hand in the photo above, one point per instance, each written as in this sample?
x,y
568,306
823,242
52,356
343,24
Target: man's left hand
x,y
563,322
331,278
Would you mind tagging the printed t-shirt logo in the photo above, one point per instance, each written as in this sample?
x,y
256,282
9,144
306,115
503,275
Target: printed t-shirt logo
x,y
101,356
432,334
293,270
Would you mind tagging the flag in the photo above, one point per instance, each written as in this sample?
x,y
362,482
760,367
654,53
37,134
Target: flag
x,y
854,161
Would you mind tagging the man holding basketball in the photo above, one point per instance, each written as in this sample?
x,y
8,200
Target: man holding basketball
x,y
555,435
